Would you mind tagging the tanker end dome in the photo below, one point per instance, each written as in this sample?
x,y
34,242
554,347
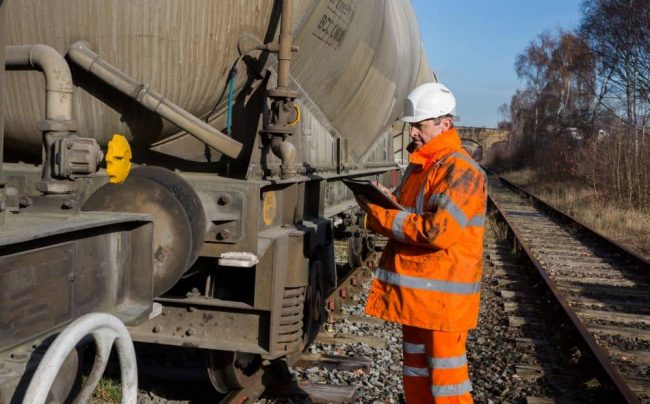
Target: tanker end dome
x,y
425,74
179,218
357,64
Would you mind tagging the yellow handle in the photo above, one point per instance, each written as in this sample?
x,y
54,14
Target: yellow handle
x,y
118,159
295,121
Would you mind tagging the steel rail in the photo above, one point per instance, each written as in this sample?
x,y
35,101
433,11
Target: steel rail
x,y
614,376
632,254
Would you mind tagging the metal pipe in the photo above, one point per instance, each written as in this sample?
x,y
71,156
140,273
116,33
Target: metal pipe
x,y
59,90
58,79
82,54
285,44
286,152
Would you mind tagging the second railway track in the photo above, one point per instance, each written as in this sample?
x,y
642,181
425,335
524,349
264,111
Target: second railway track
x,y
603,288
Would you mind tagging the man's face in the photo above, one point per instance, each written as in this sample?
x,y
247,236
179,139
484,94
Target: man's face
x,y
422,132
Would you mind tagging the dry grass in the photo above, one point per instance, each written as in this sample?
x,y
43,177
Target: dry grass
x,y
108,391
630,227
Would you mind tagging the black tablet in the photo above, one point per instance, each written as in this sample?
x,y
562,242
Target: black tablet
x,y
372,193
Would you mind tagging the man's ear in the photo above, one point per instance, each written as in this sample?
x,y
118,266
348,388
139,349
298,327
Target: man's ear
x,y
446,123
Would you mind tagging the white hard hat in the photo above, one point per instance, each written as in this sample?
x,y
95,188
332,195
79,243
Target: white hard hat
x,y
427,101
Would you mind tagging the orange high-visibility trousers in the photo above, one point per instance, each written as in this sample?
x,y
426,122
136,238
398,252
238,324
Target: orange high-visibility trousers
x,y
435,367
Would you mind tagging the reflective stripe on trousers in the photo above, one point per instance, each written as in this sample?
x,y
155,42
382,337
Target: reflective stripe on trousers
x,y
435,366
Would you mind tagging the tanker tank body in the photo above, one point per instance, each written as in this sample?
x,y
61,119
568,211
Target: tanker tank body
x,y
242,118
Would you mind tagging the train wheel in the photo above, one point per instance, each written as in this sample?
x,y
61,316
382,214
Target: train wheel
x,y
359,249
355,250
230,371
314,311
368,246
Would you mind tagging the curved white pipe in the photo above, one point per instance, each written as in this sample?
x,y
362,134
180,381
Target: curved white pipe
x,y
106,329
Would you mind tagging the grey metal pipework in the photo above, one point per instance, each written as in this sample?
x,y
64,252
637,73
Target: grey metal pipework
x,y
286,152
285,42
58,79
282,98
58,123
82,54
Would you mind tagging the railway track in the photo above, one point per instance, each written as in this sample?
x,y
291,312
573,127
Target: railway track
x,y
603,288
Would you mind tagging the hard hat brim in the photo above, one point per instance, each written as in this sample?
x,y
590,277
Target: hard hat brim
x,y
417,118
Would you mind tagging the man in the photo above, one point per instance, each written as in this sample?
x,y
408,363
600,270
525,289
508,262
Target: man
x,y
429,275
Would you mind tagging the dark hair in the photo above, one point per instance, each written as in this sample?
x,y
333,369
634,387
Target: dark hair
x,y
439,119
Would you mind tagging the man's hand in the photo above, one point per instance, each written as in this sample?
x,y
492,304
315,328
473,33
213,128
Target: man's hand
x,y
382,188
363,203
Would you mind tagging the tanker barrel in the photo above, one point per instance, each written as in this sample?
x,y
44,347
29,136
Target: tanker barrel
x,y
81,53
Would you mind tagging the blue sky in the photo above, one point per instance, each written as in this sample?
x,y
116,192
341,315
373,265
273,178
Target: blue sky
x,y
472,47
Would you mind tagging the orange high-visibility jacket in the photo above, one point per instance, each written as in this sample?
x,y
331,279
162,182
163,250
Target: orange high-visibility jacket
x,y
430,273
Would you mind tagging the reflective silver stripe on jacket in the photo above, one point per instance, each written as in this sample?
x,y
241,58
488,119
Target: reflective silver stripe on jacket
x,y
448,363
407,173
451,389
478,220
457,214
478,167
412,371
444,202
468,160
419,201
413,348
414,282
398,224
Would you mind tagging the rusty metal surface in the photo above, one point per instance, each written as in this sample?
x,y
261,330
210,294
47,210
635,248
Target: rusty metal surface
x,y
357,61
57,267
74,267
198,327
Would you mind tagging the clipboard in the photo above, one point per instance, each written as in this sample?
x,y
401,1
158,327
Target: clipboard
x,y
374,194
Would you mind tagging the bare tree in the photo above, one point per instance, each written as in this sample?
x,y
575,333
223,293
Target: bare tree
x,y
585,108
618,33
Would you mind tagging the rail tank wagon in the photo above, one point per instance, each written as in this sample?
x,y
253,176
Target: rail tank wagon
x,y
242,118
